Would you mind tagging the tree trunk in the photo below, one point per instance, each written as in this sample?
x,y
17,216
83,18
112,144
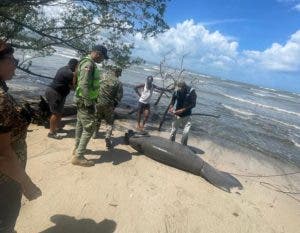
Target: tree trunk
x,y
164,117
168,89
158,99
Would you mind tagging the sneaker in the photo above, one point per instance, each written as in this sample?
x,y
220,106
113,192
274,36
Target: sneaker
x,y
108,143
60,130
80,161
54,136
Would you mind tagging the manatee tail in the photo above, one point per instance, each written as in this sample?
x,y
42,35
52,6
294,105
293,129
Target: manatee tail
x,y
220,179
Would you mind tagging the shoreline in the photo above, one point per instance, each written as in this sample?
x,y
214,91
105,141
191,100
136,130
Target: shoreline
x,y
31,94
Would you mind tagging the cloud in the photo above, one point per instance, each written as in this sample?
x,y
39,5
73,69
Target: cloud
x,y
214,54
294,4
283,58
223,21
203,48
297,7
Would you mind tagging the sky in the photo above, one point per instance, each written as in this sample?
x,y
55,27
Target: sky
x,y
252,41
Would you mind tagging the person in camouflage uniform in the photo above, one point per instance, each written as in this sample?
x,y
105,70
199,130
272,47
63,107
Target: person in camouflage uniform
x,y
86,94
110,94
14,121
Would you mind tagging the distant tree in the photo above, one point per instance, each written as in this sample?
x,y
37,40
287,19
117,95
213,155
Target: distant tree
x,y
32,25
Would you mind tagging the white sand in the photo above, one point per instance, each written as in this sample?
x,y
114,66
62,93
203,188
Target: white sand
x,y
130,193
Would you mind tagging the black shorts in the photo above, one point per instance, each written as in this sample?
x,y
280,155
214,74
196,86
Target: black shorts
x,y
10,204
142,107
55,100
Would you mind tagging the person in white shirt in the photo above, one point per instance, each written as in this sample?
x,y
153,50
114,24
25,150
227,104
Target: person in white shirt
x,y
144,100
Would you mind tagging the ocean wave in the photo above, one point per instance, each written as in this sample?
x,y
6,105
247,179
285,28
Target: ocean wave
x,y
146,69
281,122
262,105
65,52
135,71
234,85
260,94
296,143
66,55
284,96
270,89
239,111
273,95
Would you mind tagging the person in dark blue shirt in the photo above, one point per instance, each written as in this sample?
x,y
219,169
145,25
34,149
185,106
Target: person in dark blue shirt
x,y
56,95
185,98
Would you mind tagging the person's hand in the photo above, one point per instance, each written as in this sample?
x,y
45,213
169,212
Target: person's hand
x,y
179,111
30,190
171,110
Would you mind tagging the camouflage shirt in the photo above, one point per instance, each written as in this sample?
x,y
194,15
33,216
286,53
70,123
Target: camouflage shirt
x,y
110,91
11,120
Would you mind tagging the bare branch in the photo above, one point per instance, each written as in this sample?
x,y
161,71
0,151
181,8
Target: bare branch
x,y
32,73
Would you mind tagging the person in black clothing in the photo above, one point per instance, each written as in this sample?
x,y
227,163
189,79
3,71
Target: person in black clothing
x,y
56,95
185,98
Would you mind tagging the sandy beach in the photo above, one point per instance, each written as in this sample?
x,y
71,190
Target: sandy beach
x,y
129,193
228,72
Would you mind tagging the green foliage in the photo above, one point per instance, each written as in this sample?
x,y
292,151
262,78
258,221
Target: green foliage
x,y
31,25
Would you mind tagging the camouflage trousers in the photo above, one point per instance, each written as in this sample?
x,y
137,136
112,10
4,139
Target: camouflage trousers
x,y
106,113
85,127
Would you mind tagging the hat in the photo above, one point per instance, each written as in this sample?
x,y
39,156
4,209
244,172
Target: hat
x,y
181,84
5,49
102,49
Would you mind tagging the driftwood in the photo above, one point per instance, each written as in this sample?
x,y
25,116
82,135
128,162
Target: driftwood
x,y
193,114
205,114
164,117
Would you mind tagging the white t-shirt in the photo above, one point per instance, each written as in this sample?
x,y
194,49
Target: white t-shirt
x,y
146,94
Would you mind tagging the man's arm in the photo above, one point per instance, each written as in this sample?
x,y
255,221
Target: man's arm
x,y
86,70
120,92
10,166
73,85
137,87
193,99
171,108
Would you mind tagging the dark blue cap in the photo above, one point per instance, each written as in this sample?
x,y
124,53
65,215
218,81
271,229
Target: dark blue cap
x,y
102,49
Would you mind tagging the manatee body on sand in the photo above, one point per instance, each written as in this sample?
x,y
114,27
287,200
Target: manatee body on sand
x,y
181,157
